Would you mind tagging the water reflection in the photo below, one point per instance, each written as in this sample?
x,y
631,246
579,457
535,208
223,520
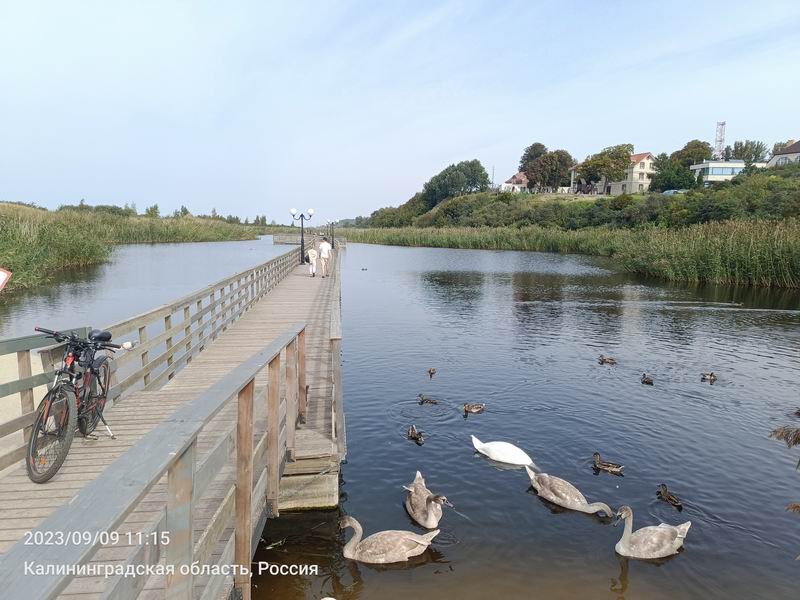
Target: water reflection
x,y
455,294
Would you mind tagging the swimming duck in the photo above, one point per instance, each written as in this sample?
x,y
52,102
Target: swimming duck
x,y
431,372
709,377
646,379
422,505
384,547
474,408
425,399
607,360
649,542
664,494
609,467
415,435
562,492
502,452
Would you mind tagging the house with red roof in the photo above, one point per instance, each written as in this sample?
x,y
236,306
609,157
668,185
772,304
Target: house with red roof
x,y
517,183
637,176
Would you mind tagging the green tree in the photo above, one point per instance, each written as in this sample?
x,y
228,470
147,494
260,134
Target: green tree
x,y
531,153
610,164
456,180
152,211
695,151
749,151
184,211
670,174
549,170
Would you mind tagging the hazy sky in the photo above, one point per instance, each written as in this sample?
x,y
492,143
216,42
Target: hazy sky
x,y
255,107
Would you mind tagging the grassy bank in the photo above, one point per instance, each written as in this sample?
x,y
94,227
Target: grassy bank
x,y
35,243
753,252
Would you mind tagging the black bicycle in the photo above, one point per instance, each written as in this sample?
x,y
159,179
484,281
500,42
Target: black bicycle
x,y
75,400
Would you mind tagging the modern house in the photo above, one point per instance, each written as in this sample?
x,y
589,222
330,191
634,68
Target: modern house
x,y
790,154
517,183
716,171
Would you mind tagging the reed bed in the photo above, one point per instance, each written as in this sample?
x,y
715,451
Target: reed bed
x,y
35,243
752,253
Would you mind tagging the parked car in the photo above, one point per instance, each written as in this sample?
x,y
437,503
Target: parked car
x,y
673,192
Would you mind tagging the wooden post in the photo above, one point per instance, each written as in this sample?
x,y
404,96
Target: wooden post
x,y
291,395
273,434
180,524
168,326
25,396
244,487
145,354
187,331
302,405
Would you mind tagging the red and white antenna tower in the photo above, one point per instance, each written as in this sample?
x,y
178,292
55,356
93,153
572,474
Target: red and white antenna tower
x,y
719,141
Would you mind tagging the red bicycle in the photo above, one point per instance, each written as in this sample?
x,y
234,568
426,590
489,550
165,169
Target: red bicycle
x,y
75,400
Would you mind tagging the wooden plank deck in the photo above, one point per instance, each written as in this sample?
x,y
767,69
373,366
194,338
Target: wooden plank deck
x,y
24,505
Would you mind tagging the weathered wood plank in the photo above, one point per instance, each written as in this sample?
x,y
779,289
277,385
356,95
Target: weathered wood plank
x,y
244,486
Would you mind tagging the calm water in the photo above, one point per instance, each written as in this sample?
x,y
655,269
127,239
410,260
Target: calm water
x,y
138,277
522,332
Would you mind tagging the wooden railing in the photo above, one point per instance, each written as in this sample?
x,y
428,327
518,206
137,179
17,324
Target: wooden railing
x,y
167,338
337,406
171,449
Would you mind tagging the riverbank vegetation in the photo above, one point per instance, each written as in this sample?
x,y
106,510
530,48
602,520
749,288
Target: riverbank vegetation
x,y
756,252
35,242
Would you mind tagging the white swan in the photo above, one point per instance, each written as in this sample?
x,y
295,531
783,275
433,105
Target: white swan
x,y
502,452
384,547
561,492
649,542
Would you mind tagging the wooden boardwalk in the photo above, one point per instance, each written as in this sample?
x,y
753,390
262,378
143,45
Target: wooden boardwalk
x,y
308,481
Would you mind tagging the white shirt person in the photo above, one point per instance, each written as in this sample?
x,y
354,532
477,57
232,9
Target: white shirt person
x,y
325,250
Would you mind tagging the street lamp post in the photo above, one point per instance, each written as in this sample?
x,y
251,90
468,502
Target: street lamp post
x,y
302,218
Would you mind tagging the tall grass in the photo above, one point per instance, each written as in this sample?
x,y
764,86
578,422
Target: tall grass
x,y
756,253
35,243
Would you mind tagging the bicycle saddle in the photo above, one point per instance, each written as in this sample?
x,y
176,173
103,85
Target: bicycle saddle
x,y
97,335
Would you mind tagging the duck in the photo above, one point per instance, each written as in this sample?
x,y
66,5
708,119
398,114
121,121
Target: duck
x,y
664,494
502,452
709,377
474,408
431,372
422,505
607,360
425,399
415,435
609,467
562,492
646,379
384,547
656,541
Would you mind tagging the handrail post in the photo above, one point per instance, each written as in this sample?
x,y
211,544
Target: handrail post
x,y
302,405
273,434
180,524
187,330
145,354
244,488
167,327
25,396
292,391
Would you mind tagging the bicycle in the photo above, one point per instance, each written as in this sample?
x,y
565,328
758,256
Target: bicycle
x,y
75,400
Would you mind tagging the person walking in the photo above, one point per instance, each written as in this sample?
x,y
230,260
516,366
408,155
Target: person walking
x,y
312,261
324,255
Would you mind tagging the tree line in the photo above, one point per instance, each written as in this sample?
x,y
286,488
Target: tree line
x,y
153,212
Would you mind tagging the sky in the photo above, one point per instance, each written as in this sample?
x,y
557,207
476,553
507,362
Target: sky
x,y
348,106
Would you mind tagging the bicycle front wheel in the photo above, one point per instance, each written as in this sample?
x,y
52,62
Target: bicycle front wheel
x,y
52,434
94,405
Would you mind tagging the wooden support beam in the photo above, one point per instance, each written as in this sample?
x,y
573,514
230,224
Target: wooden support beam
x,y
301,376
274,458
180,524
25,396
244,487
145,354
167,327
292,392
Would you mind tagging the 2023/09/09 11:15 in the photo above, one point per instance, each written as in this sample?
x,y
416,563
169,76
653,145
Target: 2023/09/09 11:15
x,y
106,538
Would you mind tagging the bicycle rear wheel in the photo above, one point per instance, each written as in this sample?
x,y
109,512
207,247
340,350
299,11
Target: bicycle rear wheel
x,y
96,402
52,434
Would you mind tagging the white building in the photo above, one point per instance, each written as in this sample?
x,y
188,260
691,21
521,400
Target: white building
x,y
716,171
790,154
517,183
637,176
